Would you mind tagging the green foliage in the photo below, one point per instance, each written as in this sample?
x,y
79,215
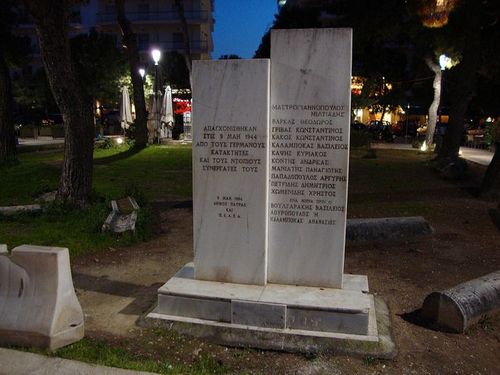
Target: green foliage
x,y
492,133
229,57
100,65
151,173
359,138
33,94
173,71
106,144
100,353
15,48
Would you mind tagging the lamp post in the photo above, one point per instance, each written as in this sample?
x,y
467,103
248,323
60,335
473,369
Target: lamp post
x,y
156,54
142,73
407,115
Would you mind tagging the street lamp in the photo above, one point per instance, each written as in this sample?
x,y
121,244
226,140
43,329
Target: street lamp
x,y
407,115
445,62
142,72
156,54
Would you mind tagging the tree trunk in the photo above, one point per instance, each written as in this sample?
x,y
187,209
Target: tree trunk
x,y
179,6
431,126
130,44
491,179
7,132
51,23
462,82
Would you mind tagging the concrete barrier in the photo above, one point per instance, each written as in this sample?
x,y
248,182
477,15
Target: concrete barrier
x,y
363,230
38,304
458,308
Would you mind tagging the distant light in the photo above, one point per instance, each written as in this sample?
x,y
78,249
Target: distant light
x,y
142,72
445,62
119,140
489,119
460,153
156,54
281,2
424,147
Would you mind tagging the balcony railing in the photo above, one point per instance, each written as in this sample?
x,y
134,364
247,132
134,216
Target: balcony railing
x,y
194,15
196,46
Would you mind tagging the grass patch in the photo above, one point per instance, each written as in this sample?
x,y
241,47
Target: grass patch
x,y
100,353
152,173
77,229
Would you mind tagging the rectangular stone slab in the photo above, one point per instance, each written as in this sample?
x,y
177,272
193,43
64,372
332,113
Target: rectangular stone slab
x,y
230,142
267,315
309,155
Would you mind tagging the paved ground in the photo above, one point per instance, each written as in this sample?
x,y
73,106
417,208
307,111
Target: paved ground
x,y
482,157
40,141
479,156
13,362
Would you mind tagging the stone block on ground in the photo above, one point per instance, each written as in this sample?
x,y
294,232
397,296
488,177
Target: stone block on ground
x,y
458,308
38,304
364,230
123,215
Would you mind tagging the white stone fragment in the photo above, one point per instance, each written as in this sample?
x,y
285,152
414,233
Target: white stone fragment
x,y
38,304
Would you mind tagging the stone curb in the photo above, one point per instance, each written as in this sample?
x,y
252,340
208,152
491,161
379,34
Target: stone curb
x,y
13,362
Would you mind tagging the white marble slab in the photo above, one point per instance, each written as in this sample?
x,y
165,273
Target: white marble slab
x,y
210,289
230,142
316,298
257,314
38,304
299,296
309,154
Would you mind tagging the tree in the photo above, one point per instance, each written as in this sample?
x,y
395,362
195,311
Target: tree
x,y
464,32
99,64
179,6
11,51
51,19
231,56
174,70
433,109
7,132
130,44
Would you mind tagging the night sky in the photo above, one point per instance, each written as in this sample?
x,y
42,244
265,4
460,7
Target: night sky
x,y
240,24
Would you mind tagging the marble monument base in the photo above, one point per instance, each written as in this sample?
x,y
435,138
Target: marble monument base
x,y
277,317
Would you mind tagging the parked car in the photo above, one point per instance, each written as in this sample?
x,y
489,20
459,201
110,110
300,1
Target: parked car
x,y
357,125
381,130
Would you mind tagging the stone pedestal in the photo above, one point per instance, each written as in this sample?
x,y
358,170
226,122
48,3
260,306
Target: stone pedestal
x,y
277,317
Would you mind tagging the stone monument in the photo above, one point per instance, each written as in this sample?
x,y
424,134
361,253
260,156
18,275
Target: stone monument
x,y
270,171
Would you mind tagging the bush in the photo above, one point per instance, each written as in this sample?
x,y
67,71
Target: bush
x,y
359,138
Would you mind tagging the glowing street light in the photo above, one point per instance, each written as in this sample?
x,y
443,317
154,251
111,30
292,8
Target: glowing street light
x,y
445,62
156,54
142,72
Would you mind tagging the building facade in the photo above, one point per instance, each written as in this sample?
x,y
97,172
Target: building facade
x,y
157,25
155,22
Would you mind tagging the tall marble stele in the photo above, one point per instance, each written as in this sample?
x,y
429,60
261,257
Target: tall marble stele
x,y
270,171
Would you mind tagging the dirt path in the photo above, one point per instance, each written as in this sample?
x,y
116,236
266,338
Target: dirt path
x,y
117,287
